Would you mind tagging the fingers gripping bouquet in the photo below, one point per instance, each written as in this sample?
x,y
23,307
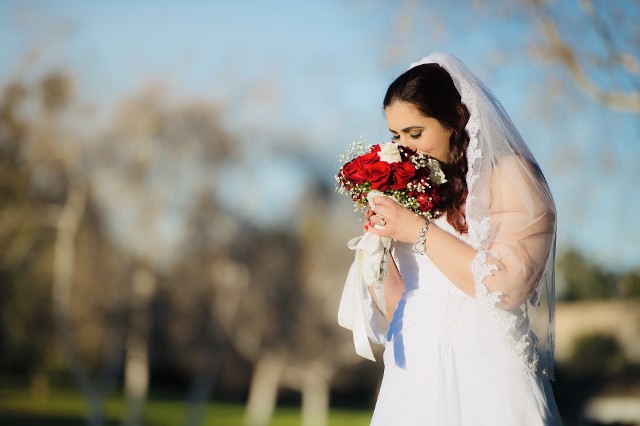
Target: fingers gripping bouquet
x,y
412,180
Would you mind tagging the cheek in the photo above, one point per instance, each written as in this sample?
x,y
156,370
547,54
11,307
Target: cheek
x,y
425,141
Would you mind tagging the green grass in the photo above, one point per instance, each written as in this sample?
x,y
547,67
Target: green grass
x,y
67,408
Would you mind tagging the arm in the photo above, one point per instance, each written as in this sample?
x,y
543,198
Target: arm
x,y
521,236
393,288
393,284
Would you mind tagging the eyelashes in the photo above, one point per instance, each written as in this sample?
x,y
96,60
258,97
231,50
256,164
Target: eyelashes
x,y
396,137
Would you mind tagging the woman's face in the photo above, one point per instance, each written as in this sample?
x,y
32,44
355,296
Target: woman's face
x,y
415,131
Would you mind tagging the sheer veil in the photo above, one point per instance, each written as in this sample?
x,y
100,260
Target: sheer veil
x,y
511,220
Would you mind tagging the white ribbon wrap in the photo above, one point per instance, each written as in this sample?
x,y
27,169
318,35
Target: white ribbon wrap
x,y
358,311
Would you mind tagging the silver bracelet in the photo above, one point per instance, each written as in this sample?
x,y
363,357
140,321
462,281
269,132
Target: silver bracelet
x,y
420,245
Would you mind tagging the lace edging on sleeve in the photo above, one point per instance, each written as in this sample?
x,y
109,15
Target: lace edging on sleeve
x,y
481,270
522,343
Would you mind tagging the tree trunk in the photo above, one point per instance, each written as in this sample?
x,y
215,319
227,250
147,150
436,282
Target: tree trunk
x,y
136,372
264,390
200,390
315,397
63,265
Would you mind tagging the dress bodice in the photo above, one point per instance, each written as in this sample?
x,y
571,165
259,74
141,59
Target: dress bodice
x,y
418,272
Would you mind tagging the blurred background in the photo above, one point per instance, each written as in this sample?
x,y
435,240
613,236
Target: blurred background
x,y
172,250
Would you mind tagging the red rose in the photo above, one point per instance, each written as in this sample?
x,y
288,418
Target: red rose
x,y
357,170
379,175
354,171
369,158
403,172
425,203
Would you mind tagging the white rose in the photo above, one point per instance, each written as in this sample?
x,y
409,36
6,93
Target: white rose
x,y
389,153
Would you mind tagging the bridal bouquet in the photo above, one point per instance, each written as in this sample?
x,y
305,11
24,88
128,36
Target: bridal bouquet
x,y
410,178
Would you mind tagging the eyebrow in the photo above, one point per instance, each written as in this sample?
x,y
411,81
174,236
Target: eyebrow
x,y
408,129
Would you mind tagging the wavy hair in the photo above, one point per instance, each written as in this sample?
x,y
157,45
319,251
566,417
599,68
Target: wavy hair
x,y
430,89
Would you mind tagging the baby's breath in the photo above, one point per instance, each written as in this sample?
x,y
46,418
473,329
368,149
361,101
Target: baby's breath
x,y
356,149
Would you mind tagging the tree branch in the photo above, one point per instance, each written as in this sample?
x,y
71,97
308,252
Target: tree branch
x,y
562,53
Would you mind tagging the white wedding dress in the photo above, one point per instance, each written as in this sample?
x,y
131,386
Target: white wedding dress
x,y
445,365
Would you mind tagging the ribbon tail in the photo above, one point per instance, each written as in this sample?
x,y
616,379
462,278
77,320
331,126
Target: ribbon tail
x,y
371,251
351,313
364,292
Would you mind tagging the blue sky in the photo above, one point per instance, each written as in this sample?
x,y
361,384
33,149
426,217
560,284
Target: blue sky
x,y
316,72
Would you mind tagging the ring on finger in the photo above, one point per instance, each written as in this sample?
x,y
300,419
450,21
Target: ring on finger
x,y
382,221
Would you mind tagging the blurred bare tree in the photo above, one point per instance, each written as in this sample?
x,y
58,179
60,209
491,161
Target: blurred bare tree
x,y
36,129
156,159
597,44
199,345
26,237
100,217
129,214
276,298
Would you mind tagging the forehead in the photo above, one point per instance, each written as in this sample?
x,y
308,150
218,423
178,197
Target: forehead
x,y
401,115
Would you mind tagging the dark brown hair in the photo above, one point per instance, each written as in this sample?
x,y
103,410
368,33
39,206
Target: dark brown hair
x,y
430,89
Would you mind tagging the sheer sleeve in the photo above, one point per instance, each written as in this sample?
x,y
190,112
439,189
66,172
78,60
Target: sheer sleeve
x,y
508,270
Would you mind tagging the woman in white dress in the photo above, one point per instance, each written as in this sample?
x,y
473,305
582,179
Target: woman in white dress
x,y
469,296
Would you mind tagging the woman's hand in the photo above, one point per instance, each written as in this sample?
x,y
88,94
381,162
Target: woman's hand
x,y
399,222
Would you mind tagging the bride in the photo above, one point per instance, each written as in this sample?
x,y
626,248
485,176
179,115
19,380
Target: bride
x,y
469,295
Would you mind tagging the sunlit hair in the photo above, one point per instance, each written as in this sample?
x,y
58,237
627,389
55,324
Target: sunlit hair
x,y
430,89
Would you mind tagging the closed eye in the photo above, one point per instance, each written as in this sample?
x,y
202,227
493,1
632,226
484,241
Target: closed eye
x,y
415,135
